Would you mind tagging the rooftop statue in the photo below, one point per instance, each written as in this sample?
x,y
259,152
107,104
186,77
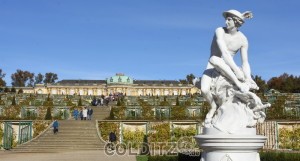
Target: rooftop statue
x,y
225,85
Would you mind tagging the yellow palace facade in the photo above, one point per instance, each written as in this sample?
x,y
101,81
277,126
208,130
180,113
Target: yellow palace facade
x,y
119,83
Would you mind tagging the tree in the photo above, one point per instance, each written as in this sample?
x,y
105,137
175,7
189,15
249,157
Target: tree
x,y
13,90
6,90
48,114
2,82
118,102
275,83
285,83
204,110
39,79
50,77
48,97
112,114
177,101
183,81
22,78
48,101
79,102
277,110
261,84
20,91
190,78
13,102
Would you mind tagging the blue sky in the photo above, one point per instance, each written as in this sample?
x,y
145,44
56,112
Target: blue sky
x,y
144,39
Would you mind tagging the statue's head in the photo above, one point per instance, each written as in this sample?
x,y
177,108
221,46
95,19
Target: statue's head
x,y
238,17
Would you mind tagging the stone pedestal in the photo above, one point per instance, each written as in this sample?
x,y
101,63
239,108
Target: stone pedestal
x,y
220,146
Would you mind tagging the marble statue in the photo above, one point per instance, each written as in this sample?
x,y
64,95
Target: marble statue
x,y
229,131
225,85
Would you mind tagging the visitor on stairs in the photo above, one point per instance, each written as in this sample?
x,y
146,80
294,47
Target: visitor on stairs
x,y
112,140
55,126
81,115
89,113
75,114
84,113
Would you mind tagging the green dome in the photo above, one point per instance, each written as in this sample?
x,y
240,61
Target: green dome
x,y
119,79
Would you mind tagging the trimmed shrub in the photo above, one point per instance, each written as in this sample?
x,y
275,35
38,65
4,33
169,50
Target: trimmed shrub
x,y
13,102
48,114
279,156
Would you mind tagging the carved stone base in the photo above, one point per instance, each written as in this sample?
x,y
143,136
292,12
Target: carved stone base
x,y
219,146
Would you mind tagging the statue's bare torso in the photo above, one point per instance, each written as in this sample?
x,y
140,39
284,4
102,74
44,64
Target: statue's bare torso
x,y
233,43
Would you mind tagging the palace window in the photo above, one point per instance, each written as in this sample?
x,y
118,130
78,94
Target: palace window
x,y
162,113
1,110
119,80
133,112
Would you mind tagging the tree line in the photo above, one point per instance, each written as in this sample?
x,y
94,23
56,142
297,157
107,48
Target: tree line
x,y
284,83
27,79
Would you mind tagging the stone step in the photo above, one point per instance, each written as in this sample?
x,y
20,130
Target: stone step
x,y
70,132
54,149
71,144
76,131
76,128
74,122
68,137
86,141
63,147
61,135
63,144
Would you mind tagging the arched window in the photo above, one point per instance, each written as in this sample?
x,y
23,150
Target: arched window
x,y
90,92
175,92
40,91
119,80
71,92
140,92
99,92
157,92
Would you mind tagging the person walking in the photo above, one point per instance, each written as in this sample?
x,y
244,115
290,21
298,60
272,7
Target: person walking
x,y
75,114
81,115
101,101
112,140
89,113
84,113
55,126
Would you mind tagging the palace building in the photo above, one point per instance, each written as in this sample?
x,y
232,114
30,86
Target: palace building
x,y
119,83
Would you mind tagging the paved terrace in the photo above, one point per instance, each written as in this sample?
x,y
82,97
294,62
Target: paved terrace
x,y
96,155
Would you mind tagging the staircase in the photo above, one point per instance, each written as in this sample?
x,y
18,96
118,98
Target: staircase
x,y
100,112
72,135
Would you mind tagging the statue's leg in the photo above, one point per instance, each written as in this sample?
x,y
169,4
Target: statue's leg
x,y
206,81
225,70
